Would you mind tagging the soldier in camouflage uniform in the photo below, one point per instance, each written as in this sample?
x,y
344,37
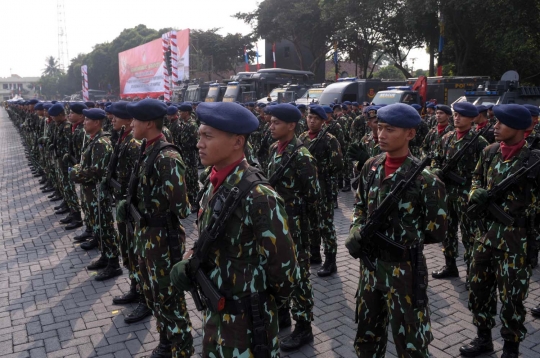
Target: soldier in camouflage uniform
x,y
532,134
254,264
503,254
358,127
266,141
187,142
491,116
162,201
46,142
387,295
301,126
326,150
173,123
344,181
431,118
90,173
337,131
415,145
299,187
435,134
452,142
255,138
482,122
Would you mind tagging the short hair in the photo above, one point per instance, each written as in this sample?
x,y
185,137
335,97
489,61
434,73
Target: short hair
x,y
159,123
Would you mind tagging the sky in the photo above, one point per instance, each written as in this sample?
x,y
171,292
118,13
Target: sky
x,y
30,28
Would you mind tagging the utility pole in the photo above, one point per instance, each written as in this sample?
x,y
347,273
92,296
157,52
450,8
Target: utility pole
x,y
63,55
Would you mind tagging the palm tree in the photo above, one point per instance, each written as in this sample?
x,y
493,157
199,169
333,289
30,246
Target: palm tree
x,y
52,67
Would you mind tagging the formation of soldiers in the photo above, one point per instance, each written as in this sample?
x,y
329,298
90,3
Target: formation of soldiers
x,y
265,203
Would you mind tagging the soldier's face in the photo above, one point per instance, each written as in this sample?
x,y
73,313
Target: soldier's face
x,y
503,133
91,126
140,129
373,123
442,117
217,147
280,130
314,122
392,139
462,123
75,117
119,122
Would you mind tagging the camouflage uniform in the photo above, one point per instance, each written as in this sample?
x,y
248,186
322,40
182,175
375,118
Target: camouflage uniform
x,y
500,254
337,131
489,135
415,145
299,188
358,129
187,142
163,195
264,147
432,139
458,194
255,137
386,294
168,135
90,173
71,158
258,257
329,162
61,145
345,123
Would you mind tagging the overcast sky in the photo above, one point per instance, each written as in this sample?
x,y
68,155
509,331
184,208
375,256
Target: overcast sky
x,y
30,27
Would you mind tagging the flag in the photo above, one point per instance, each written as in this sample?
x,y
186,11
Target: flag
x,y
257,48
274,53
246,59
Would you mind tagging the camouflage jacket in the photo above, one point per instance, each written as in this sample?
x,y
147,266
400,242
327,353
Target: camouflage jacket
x,y
329,160
432,139
345,124
95,160
187,141
358,129
255,254
161,193
416,143
447,147
167,133
76,143
370,146
298,186
62,138
256,136
519,201
533,139
489,136
128,154
174,127
421,212
337,131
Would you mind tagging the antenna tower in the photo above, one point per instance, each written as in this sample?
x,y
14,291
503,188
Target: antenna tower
x,y
63,55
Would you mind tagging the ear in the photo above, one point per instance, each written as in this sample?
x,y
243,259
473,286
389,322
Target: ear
x,y
291,126
411,133
239,142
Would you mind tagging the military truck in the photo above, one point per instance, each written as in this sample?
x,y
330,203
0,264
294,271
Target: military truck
x,y
355,90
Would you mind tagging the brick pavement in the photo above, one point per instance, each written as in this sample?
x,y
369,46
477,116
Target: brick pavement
x,y
50,306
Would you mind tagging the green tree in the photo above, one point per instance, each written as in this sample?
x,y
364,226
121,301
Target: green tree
x,y
52,67
390,73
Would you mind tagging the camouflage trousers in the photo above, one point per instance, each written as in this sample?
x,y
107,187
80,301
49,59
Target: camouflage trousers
x,y
98,212
302,296
384,297
125,239
192,180
327,231
457,209
493,269
167,303
71,198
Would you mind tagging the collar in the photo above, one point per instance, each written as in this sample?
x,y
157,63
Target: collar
x,y
509,151
441,128
527,133
392,164
217,177
481,126
152,141
126,133
313,135
461,134
283,145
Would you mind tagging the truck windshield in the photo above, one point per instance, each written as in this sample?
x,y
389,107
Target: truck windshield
x,y
387,98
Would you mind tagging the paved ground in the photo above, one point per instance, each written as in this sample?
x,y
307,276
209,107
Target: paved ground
x,y
50,306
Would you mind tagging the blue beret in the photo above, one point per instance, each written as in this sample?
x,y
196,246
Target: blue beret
x,y
466,109
56,109
38,106
301,107
348,103
172,110
46,106
382,105
196,103
489,106
344,106
251,104
318,110
431,105
261,105
416,106
355,104
147,110
331,105
168,103
94,113
108,104
446,109
33,101
54,102
77,107
481,108
513,115
399,115
535,111
185,107
228,117
90,104
119,109
285,112
327,109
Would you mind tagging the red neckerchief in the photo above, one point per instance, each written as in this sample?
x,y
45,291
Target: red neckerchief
x,y
481,126
527,133
312,135
282,146
74,126
217,177
392,164
461,134
152,141
126,133
508,151
441,128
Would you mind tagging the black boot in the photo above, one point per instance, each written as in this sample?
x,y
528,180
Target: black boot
x,y
340,182
53,195
284,317
86,234
335,203
301,335
43,180
45,185
48,189
113,269
315,258
62,205
89,245
164,348
449,270
76,221
347,186
56,198
329,266
510,350
131,296
62,210
481,344
67,220
139,313
100,263
536,311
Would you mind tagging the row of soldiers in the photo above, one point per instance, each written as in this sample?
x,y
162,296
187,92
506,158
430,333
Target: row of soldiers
x,y
270,230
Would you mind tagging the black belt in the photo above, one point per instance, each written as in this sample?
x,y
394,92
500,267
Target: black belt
x,y
159,221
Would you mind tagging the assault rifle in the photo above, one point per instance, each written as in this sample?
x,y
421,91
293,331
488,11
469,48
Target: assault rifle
x,y
133,214
281,169
451,164
476,211
110,182
319,138
264,143
371,237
